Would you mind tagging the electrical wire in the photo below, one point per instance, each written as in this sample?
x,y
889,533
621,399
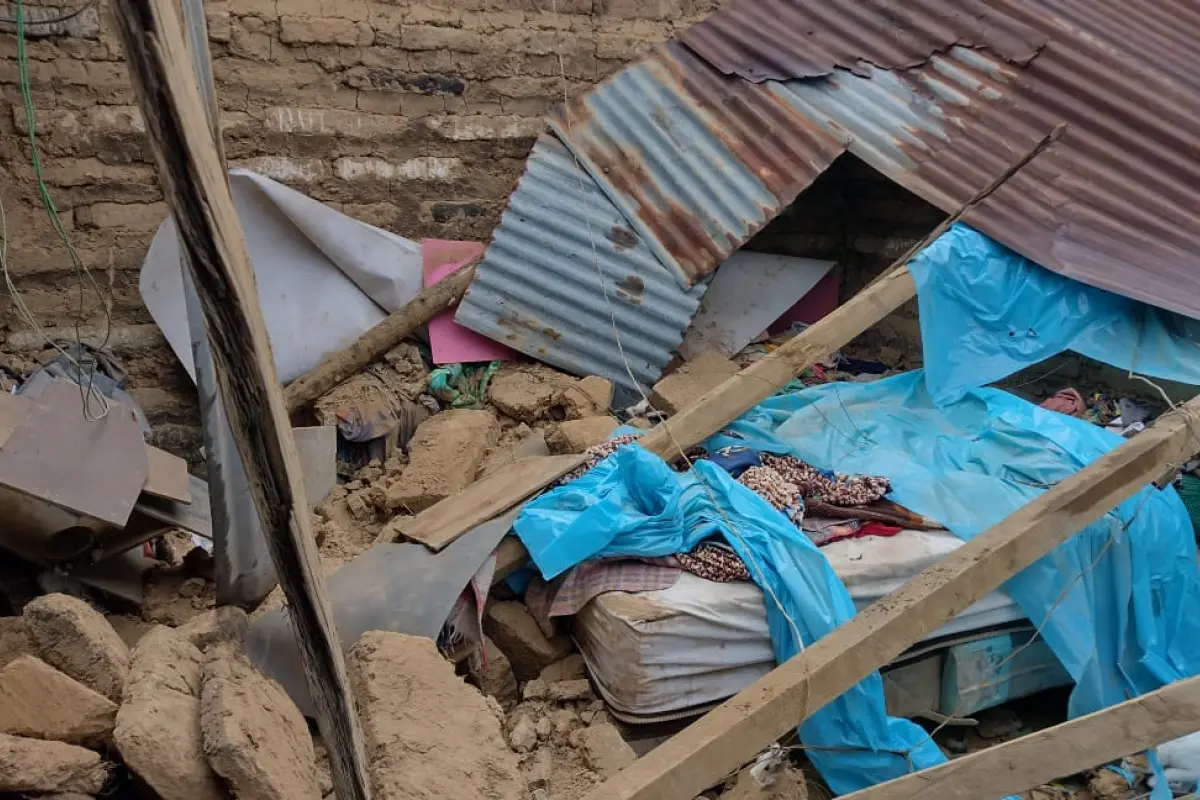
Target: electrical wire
x,y
88,391
67,17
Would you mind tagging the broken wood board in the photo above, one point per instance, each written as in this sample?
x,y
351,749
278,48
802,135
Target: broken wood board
x,y
167,475
193,182
1036,758
488,497
93,467
733,733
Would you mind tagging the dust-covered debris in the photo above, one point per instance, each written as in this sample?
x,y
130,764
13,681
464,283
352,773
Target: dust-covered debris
x,y
492,673
530,392
429,735
15,640
567,691
224,624
577,435
76,639
447,452
603,749
516,632
683,386
158,729
570,668
176,594
131,629
38,701
254,736
590,397
34,765
784,783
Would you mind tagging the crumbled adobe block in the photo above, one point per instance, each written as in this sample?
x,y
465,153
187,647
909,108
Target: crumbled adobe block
x,y
254,736
577,435
685,385
15,640
79,641
38,701
494,675
42,767
446,452
590,397
428,734
516,632
603,749
528,392
158,729
223,624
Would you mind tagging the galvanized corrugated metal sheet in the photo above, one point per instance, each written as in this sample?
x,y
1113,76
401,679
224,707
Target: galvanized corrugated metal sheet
x,y
697,162
538,287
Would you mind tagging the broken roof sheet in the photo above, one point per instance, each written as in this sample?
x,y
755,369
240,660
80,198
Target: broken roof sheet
x,y
699,152
563,270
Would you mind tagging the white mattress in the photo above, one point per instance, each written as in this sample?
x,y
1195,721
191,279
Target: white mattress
x,y
699,642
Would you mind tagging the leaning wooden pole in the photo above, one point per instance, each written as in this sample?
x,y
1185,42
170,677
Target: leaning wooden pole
x,y
337,367
1036,758
194,184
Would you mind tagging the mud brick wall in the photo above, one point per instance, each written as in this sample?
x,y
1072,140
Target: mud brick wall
x,y
414,116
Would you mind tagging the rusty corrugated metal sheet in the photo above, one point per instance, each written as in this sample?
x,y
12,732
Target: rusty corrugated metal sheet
x,y
539,286
783,39
940,95
696,161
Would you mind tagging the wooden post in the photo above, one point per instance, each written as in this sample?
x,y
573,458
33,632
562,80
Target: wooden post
x,y
194,184
733,733
1076,745
339,366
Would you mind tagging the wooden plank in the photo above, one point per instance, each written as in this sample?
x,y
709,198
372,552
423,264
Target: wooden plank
x,y
488,497
193,182
360,353
733,733
168,476
1074,746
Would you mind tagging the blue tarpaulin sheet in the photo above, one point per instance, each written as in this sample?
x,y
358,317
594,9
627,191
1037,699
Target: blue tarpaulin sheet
x,y
633,504
987,312
1115,602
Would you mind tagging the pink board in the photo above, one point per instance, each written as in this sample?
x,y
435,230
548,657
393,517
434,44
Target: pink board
x,y
450,342
820,300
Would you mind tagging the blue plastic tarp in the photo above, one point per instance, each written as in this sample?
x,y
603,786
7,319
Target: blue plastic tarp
x,y
987,312
1116,603
633,504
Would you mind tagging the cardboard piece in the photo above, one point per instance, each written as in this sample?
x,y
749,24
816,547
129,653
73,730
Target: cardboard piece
x,y
96,467
450,342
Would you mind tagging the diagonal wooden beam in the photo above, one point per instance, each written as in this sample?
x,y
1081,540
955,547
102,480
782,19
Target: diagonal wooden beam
x,y
733,733
194,184
1074,746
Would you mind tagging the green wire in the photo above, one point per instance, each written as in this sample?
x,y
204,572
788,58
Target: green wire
x,y
27,98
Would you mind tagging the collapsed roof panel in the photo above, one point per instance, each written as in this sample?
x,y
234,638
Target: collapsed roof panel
x,y
697,162
939,96
564,269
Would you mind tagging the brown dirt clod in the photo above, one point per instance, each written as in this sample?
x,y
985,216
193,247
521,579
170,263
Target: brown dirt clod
x,y
516,632
38,701
76,639
429,735
158,727
446,453
254,736
33,765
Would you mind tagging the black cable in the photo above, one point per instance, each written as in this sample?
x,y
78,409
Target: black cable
x,y
53,20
